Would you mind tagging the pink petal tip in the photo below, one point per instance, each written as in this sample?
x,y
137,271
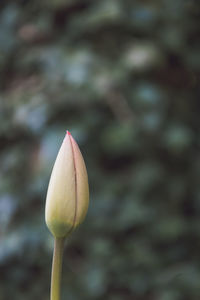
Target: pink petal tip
x,y
68,133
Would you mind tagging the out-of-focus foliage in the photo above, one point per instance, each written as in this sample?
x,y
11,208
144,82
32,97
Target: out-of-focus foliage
x,y
123,77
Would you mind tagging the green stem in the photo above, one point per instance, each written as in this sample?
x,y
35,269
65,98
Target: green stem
x,y
57,268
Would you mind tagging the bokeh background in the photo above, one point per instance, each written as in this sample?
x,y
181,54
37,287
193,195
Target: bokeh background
x,y
123,77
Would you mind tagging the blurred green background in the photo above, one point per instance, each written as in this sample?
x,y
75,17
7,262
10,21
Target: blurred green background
x,y
123,77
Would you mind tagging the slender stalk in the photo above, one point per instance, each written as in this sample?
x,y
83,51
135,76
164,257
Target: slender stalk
x,y
57,268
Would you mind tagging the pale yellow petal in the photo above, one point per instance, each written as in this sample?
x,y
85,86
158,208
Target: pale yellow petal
x,y
60,203
82,189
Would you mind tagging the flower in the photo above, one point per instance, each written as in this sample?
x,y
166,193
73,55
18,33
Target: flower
x,y
68,192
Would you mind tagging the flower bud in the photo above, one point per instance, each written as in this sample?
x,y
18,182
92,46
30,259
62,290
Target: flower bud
x,y
68,193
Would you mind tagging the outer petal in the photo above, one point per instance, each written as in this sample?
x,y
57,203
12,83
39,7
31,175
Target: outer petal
x,y
82,189
60,202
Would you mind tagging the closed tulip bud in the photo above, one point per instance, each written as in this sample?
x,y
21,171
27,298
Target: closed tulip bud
x,y
68,192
